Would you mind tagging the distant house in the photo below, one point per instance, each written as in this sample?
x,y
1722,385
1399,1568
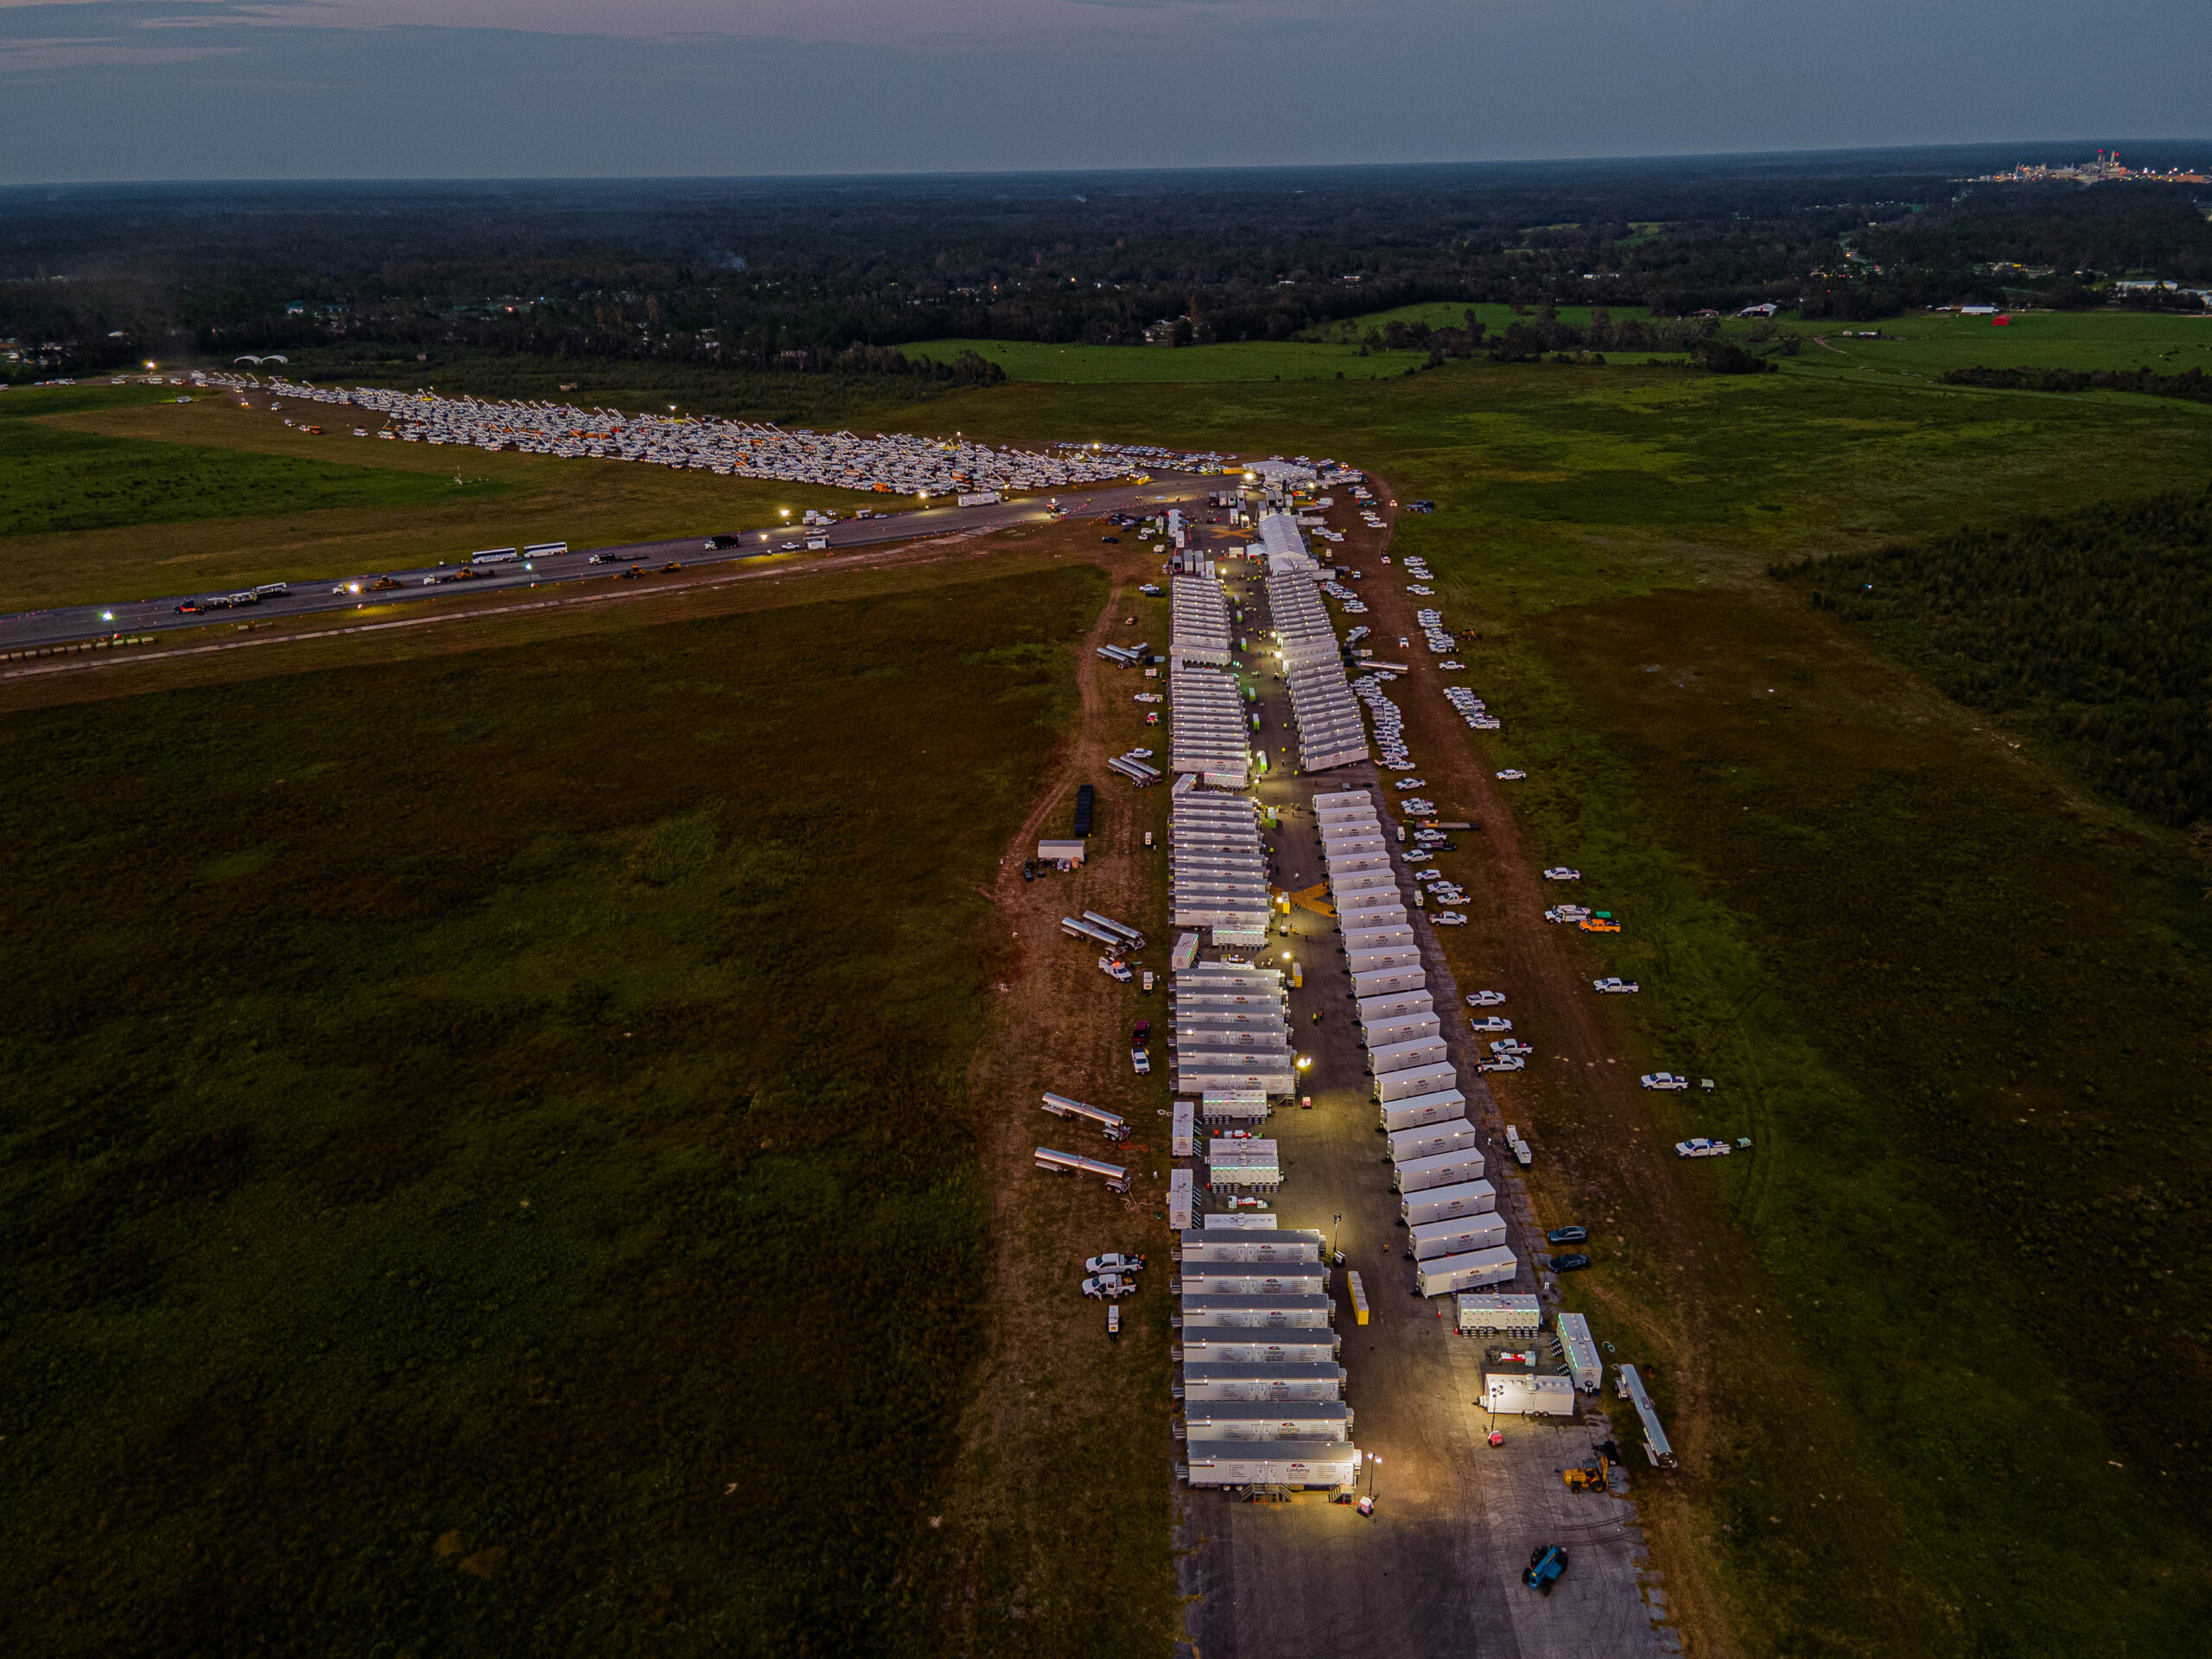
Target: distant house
x,y
1767,309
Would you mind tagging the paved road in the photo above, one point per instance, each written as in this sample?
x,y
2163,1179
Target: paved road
x,y
1436,1572
28,629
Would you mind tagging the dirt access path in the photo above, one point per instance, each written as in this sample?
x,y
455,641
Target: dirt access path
x,y
1058,1518
1601,1162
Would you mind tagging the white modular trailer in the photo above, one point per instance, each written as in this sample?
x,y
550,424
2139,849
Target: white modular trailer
x,y
1409,1081
1239,1312
1384,936
1584,1362
1212,1243
1241,1165
1425,1173
1389,979
1289,1379
1630,1387
1255,1277
1304,1464
1457,1235
1195,1079
1444,1203
1414,1054
1442,1276
1332,820
1234,1106
1060,852
1340,797
1242,1221
1342,865
1371,1009
1401,1028
1182,1204
1265,1420
1367,917
1453,1135
1196,1014
1261,1006
1350,904
1379,961
1354,841
1182,1132
1414,1110
1483,1315
1363,881
1520,1395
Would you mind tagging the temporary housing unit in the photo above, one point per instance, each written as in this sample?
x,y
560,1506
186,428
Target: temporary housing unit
x,y
1441,1275
1451,1167
1456,1234
1483,1315
1255,1277
1444,1203
1290,1379
1231,1244
1454,1134
1242,1165
1331,1465
1412,1111
1524,1395
1584,1362
1251,1311
1267,1420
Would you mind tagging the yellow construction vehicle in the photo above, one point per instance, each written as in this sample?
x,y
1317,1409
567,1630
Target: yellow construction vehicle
x,y
1591,1477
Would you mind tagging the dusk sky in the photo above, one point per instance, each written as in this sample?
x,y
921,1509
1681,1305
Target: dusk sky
x,y
211,89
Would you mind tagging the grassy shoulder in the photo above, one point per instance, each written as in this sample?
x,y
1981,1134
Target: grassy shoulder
x,y
477,1162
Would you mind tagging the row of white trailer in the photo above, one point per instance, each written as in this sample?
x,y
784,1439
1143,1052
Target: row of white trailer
x,y
1217,869
1261,1384
1330,731
1229,1033
1458,1239
1209,734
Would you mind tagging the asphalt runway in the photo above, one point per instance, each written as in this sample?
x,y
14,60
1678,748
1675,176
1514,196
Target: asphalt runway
x,y
26,630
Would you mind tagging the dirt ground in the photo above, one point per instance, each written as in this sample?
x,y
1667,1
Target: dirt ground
x,y
1060,1508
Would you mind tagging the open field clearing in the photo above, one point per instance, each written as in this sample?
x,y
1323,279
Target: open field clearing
x,y
124,499
1251,359
493,1162
1927,343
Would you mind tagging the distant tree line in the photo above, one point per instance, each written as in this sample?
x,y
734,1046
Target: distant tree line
x,y
2189,384
783,277
2097,625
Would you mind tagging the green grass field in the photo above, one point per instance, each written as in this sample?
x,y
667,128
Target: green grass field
x,y
123,497
490,1165
61,479
1255,359
1927,343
